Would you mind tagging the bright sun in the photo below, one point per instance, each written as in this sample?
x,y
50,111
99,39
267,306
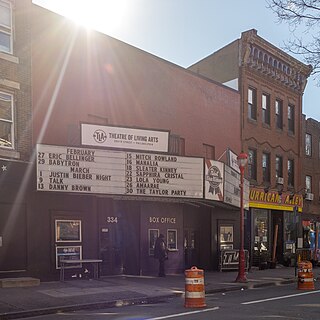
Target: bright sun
x,y
102,15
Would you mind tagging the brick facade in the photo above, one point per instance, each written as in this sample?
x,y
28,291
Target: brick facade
x,y
253,62
311,163
107,81
16,79
269,80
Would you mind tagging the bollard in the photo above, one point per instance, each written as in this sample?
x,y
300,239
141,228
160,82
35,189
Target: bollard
x,y
305,276
194,288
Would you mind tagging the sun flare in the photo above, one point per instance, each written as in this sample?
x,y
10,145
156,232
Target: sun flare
x,y
106,15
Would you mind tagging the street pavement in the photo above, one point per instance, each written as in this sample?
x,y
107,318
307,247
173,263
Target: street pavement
x,y
77,294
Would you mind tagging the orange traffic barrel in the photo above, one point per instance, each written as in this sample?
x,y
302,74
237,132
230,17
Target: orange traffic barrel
x,y
194,288
305,276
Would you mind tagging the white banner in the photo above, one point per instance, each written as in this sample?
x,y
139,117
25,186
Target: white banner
x,y
233,160
124,138
232,187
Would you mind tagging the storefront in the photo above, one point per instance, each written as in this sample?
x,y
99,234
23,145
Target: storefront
x,y
275,223
102,203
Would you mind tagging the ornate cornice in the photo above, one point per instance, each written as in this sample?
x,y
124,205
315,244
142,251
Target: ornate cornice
x,y
262,57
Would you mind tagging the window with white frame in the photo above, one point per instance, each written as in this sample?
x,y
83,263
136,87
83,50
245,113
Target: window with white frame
x,y
6,120
308,144
279,113
252,103
266,108
5,26
291,118
308,184
172,238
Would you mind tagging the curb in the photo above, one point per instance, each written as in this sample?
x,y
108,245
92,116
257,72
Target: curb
x,y
251,286
126,302
77,307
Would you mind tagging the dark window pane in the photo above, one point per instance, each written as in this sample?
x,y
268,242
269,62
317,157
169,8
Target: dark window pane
x,y
290,173
252,103
266,109
279,114
291,118
266,167
252,164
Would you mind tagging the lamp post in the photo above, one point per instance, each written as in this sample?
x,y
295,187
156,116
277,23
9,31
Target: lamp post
x,y
242,162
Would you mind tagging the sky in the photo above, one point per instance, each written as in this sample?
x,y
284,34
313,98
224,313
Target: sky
x,y
183,31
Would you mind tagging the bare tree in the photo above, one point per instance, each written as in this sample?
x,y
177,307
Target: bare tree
x,y
303,18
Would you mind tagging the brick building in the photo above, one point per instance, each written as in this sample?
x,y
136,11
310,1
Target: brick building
x,y
311,176
82,79
271,85
15,134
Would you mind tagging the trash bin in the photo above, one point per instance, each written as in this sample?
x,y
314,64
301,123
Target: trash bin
x,y
305,276
194,288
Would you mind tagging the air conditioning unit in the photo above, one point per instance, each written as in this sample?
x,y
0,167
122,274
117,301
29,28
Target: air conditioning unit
x,y
309,196
280,180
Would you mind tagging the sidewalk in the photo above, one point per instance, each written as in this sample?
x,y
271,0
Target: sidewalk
x,y
50,297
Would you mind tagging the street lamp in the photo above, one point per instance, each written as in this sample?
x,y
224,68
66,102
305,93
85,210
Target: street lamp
x,y
242,162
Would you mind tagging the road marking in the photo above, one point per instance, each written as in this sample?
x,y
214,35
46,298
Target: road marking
x,y
184,314
282,297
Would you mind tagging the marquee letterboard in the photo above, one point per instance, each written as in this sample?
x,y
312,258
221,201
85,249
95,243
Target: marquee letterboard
x,y
96,171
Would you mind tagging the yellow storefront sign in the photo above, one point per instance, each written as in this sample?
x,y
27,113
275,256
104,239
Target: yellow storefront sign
x,y
258,198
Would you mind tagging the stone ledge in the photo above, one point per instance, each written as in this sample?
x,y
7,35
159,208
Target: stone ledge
x,y
19,282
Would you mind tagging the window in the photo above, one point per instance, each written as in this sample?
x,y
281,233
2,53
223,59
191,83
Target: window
x,y
308,145
5,27
308,184
266,167
172,239
290,173
153,234
6,120
279,171
252,164
252,103
176,145
226,237
291,118
68,230
279,114
266,108
290,226
208,151
260,231
68,253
